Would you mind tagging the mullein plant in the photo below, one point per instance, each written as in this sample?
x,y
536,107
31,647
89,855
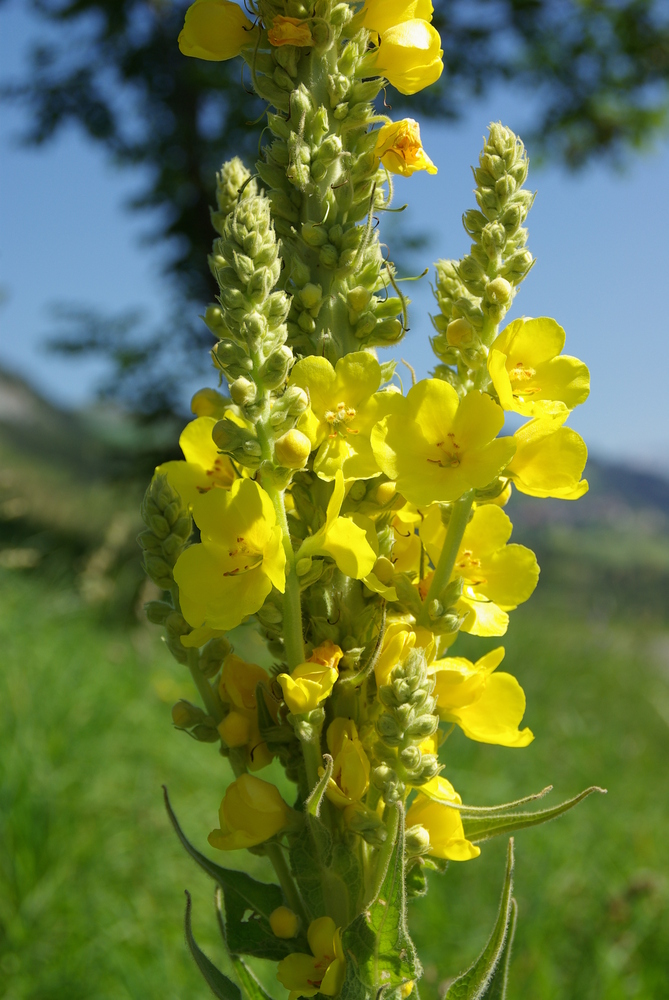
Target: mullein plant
x,y
358,528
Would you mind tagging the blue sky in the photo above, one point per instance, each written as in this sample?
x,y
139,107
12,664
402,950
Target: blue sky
x,y
599,238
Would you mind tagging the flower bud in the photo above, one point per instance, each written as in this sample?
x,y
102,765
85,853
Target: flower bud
x,y
284,922
185,715
417,841
251,813
499,291
292,449
243,391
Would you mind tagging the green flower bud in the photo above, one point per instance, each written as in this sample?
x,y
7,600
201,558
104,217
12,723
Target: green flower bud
x,y
416,841
243,391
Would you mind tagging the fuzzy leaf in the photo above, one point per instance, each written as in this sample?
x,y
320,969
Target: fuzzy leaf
x,y
480,829
481,811
248,904
478,981
312,805
500,981
377,942
307,872
219,984
253,990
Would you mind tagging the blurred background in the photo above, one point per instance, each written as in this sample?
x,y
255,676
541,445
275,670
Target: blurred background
x,y
109,140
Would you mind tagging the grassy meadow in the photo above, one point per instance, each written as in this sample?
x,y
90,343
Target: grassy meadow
x,y
92,877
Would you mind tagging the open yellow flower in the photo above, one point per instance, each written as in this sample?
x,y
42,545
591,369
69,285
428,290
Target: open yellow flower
x,y
251,812
549,459
497,577
409,56
443,824
341,539
204,467
350,774
400,150
487,706
289,31
311,683
344,406
380,15
215,30
323,971
438,447
530,374
228,575
237,688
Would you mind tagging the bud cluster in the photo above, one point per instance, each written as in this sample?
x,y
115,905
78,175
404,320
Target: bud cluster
x,y
168,528
475,293
324,184
252,351
407,718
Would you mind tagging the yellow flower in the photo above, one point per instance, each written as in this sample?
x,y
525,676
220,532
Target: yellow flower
x,y
251,812
400,150
529,373
237,688
228,575
350,774
549,459
311,683
321,972
284,922
487,706
437,447
341,539
380,15
497,577
204,466
343,410
289,31
214,30
443,823
409,56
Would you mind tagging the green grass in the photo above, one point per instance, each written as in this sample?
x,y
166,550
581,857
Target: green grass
x,y
92,878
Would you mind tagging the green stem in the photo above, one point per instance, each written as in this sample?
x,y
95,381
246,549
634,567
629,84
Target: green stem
x,y
454,534
293,636
290,891
313,758
207,693
385,852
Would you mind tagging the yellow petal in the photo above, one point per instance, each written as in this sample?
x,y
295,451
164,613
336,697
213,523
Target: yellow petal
x,y
214,30
495,717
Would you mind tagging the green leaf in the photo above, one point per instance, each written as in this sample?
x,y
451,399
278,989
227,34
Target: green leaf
x,y
500,981
312,805
480,829
250,985
219,984
353,988
479,811
248,904
478,981
307,871
377,942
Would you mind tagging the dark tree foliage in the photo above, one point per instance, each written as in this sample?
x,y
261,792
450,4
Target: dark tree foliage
x,y
596,71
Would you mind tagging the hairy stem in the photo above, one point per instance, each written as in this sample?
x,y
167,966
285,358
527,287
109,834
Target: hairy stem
x,y
275,854
454,533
